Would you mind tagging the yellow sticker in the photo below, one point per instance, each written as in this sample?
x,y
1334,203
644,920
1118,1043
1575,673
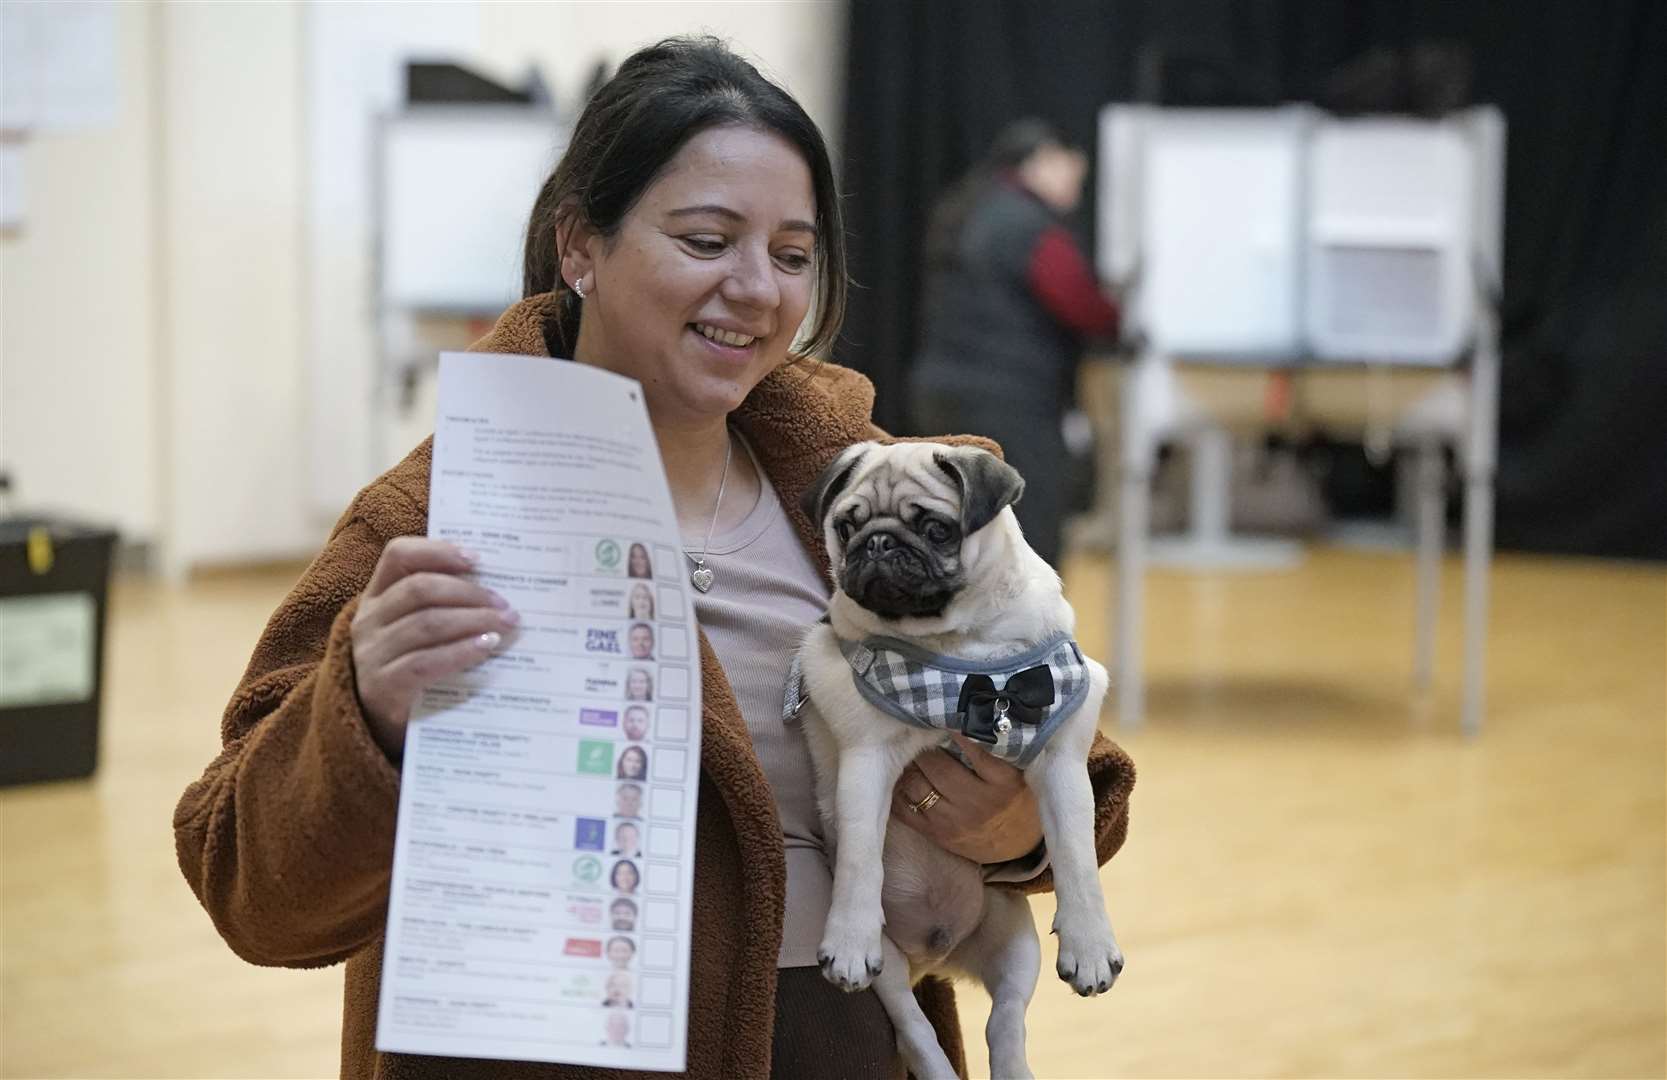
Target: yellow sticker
x,y
40,550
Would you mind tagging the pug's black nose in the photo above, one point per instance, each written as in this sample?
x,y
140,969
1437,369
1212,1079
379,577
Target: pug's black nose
x,y
879,544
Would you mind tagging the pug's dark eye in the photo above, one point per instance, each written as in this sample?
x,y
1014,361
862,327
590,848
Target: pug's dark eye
x,y
937,532
843,531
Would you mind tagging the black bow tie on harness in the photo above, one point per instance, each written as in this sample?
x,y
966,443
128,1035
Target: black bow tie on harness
x,y
986,713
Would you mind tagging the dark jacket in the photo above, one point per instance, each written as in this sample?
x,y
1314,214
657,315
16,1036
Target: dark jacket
x,y
1008,306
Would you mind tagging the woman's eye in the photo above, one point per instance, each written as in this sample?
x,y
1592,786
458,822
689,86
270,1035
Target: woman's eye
x,y
704,245
793,260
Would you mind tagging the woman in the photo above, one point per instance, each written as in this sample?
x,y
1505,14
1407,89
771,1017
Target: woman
x,y
624,877
1010,300
680,241
637,564
641,605
633,763
621,951
639,684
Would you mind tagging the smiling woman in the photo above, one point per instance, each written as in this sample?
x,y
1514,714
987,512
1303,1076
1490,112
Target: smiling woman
x,y
688,233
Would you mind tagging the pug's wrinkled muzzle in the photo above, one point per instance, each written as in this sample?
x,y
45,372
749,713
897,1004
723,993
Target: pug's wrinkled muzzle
x,y
890,577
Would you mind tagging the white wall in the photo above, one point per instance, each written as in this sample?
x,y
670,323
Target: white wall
x,y
164,306
79,375
232,194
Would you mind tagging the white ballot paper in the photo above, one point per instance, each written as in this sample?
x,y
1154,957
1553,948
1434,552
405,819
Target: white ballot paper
x,y
544,866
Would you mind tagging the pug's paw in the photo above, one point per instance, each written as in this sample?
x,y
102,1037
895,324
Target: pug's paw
x,y
1089,958
850,957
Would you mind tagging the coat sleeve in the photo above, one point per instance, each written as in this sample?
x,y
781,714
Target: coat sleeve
x,y
287,838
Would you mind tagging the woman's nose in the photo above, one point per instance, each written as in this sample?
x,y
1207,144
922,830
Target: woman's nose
x,y
752,281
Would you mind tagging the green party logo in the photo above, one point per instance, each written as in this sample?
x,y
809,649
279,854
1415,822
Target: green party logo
x,y
596,757
587,868
607,554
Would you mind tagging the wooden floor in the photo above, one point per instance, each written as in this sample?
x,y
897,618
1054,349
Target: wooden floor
x,y
1323,878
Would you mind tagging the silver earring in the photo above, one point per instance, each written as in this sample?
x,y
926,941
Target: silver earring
x,y
579,288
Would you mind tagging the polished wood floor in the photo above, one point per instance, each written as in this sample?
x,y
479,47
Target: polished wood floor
x,y
1323,878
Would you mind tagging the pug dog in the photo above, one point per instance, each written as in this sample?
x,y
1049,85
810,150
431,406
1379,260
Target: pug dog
x,y
944,619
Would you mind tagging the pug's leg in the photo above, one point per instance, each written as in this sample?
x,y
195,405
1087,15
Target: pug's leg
x,y
1089,958
916,1040
1004,954
850,951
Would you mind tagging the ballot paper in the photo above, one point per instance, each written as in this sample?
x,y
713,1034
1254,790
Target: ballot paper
x,y
544,865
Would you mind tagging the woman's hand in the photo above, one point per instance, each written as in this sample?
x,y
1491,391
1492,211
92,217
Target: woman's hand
x,y
987,813
418,622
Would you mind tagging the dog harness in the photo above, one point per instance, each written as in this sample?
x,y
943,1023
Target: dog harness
x,y
1011,704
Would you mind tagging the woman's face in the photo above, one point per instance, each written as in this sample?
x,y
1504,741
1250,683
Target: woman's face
x,y
721,244
637,561
620,952
642,604
637,685
625,878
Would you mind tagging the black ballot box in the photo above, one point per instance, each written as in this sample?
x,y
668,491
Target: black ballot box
x,y
54,583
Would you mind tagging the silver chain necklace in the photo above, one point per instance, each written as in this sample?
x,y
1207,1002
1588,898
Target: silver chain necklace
x,y
701,576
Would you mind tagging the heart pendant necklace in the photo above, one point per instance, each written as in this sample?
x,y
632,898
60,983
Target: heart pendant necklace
x,y
701,576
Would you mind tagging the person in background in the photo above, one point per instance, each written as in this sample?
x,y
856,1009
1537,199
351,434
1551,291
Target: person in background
x,y
1010,303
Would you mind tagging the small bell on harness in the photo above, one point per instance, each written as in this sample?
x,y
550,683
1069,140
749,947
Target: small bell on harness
x,y
1003,725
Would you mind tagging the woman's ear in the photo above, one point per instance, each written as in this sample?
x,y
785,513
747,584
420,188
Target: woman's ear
x,y
577,242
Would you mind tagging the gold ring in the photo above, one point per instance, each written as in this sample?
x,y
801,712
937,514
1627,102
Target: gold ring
x,y
927,803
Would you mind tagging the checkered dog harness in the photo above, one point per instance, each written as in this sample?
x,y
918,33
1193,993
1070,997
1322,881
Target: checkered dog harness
x,y
1012,704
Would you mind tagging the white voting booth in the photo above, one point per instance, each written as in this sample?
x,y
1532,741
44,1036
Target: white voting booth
x,y
454,186
1287,238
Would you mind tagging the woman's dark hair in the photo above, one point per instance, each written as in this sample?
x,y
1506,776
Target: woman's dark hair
x,y
1012,147
634,124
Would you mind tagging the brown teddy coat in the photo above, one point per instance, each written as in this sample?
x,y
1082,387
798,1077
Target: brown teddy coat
x,y
287,839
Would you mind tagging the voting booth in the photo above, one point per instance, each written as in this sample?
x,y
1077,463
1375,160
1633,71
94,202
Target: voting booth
x,y
453,184
1286,238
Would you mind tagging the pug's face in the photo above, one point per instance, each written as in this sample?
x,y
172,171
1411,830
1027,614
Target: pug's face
x,y
900,522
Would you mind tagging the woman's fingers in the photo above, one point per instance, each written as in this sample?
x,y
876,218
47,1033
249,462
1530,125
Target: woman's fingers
x,y
988,767
412,671
425,590
431,626
953,780
406,555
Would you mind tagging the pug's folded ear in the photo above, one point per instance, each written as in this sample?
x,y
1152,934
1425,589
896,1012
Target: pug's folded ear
x,y
814,502
988,484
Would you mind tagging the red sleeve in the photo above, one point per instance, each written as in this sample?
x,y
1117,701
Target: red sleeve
x,y
1064,284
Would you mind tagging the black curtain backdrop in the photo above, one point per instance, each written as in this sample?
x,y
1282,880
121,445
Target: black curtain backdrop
x,y
1583,418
